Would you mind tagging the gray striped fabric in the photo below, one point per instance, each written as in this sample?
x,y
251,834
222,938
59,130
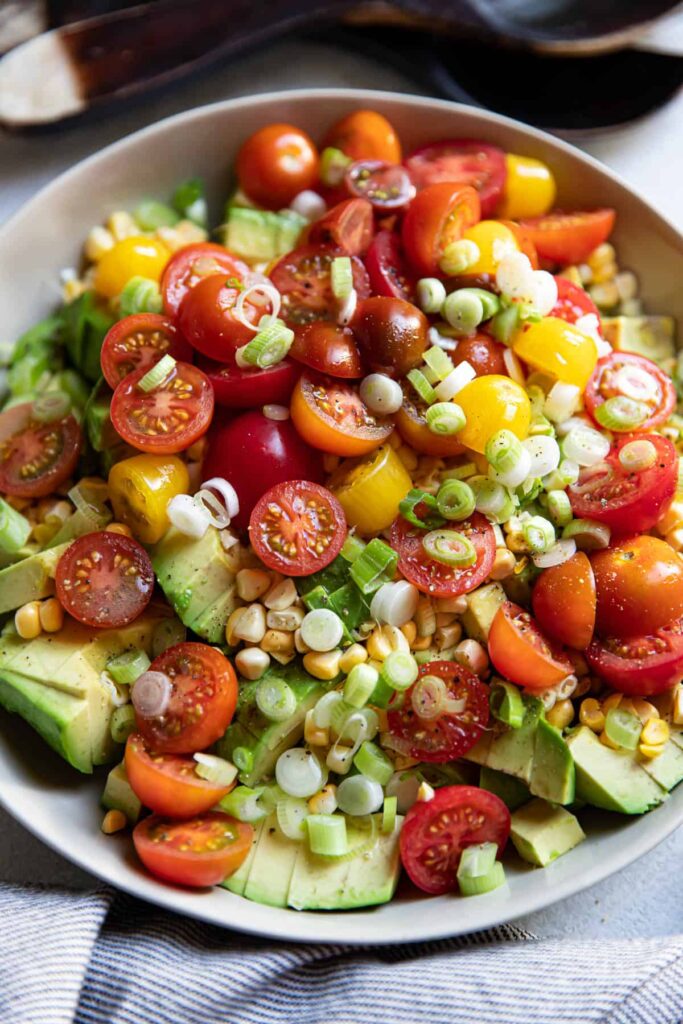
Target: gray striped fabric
x,y
101,958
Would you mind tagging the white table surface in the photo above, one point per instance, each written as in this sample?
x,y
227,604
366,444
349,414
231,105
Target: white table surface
x,y
647,898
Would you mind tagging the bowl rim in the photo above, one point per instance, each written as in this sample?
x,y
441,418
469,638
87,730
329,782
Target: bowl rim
x,y
347,927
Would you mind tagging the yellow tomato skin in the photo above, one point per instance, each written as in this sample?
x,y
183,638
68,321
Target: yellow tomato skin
x,y
141,487
494,240
491,403
370,489
529,188
136,256
557,348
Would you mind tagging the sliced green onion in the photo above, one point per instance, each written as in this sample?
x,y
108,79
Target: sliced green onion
x,y
333,165
458,257
389,814
189,200
559,508
635,456
490,496
422,386
382,695
450,548
291,817
585,446
463,472
327,834
477,860
566,474
480,884
464,310
52,406
588,534
417,497
504,450
151,214
399,670
298,772
539,534
505,701
269,346
15,529
341,276
623,728
122,723
215,769
245,803
375,566
381,394
505,323
322,629
140,295
275,699
358,795
445,418
430,294
158,374
126,668
621,413
437,360
455,500
352,548
359,685
243,758
372,762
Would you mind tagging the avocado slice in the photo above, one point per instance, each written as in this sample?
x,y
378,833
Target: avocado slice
x,y
272,866
119,796
611,779
261,235
482,605
29,580
63,721
667,768
210,625
512,791
237,881
649,336
513,751
552,772
542,832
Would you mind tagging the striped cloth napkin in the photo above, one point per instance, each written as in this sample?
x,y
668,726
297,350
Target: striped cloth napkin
x,y
104,958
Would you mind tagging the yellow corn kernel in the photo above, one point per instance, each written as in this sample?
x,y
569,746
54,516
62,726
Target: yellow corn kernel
x,y
231,625
121,528
252,584
591,714
675,538
121,225
573,274
561,714
504,564
425,617
409,630
252,662
43,533
313,734
422,643
51,615
677,709
402,763
457,605
289,620
300,645
643,709
382,720
322,665
408,458
444,619
352,656
517,544
448,636
73,289
607,742
99,241
113,821
655,732
277,641
604,253
585,273
324,802
614,700
650,750
281,595
606,272
473,656
582,687
605,294
672,518
385,639
27,620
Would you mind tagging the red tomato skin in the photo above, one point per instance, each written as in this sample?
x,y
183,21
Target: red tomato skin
x,y
572,302
430,164
179,276
275,164
254,453
439,214
643,674
564,602
639,586
594,398
483,353
177,347
387,267
348,226
246,389
194,870
17,422
167,794
569,237
207,320
303,278
392,334
522,653
438,580
328,348
289,492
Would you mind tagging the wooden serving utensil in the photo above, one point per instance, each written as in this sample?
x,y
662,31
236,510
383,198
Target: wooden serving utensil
x,y
117,55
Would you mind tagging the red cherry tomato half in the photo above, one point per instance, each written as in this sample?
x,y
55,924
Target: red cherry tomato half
x,y
386,186
203,700
463,162
434,578
104,579
522,653
569,237
635,377
438,215
347,226
168,418
254,453
297,528
627,502
36,457
572,302
387,268
641,666
192,264
168,783
436,831
275,164
197,853
209,317
450,734
303,278
564,601
328,348
484,355
137,343
639,586
247,389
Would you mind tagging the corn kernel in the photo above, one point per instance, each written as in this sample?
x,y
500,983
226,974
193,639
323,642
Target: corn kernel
x,y
504,564
671,519
582,687
289,620
444,619
651,751
448,636
408,458
425,617
281,595
457,605
573,274
322,665
402,762
643,709
562,714
73,289
604,273
251,625
607,742
313,734
385,639
300,645
43,533
655,732
121,225
627,285
604,253
472,655
252,662
99,241
277,641
422,643
604,295
252,584
425,792
324,802
409,630
382,719
352,656
591,714
51,615
282,657
231,626
113,821
27,620
585,273
675,539
613,701
120,528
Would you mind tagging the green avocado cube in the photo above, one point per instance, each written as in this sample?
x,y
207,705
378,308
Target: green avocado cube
x,y
272,866
552,773
32,579
63,721
542,832
611,779
119,796
649,336
482,606
512,791
667,768
237,881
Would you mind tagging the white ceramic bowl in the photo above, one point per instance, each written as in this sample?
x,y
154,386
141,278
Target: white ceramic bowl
x,y
60,806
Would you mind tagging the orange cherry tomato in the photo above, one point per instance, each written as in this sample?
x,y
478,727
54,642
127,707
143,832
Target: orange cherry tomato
x,y
438,215
524,240
198,853
365,135
569,237
275,164
522,653
639,586
168,783
331,415
564,601
412,426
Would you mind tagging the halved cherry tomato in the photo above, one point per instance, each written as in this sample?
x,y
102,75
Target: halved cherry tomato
x,y
484,355
564,601
348,226
365,135
452,733
387,267
434,578
190,265
625,373
386,186
524,241
297,528
639,586
198,853
522,653
463,162
642,666
303,278
246,389
208,319
275,164
168,418
436,831
137,343
569,237
36,457
627,502
572,302
104,579
437,216
411,424
328,348
168,783
203,700
391,334
140,489
331,415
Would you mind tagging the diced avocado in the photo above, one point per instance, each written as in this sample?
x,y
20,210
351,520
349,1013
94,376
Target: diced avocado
x,y
552,773
667,768
611,779
29,580
541,832
513,792
261,235
210,625
81,522
677,735
650,336
482,605
119,796
62,721
513,751
272,867
97,422
238,879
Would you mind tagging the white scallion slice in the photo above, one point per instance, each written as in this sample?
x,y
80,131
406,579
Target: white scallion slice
x,y
159,373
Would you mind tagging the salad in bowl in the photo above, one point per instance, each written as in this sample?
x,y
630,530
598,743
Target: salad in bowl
x,y
346,532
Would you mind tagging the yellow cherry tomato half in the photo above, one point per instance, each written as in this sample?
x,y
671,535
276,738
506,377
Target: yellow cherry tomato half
x,y
494,240
491,403
140,488
529,189
137,256
558,349
370,489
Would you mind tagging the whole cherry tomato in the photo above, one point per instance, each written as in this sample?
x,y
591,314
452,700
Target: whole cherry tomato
x,y
391,333
483,354
639,585
275,164
564,601
365,135
209,320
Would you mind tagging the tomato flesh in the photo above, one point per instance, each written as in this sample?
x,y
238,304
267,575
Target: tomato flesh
x,y
638,378
639,584
137,343
208,317
297,528
303,278
434,578
246,389
522,653
438,215
464,162
387,267
572,302
168,783
569,237
192,264
436,831
196,853
387,187
104,579
411,424
564,601
35,457
328,348
347,226
641,666
331,415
